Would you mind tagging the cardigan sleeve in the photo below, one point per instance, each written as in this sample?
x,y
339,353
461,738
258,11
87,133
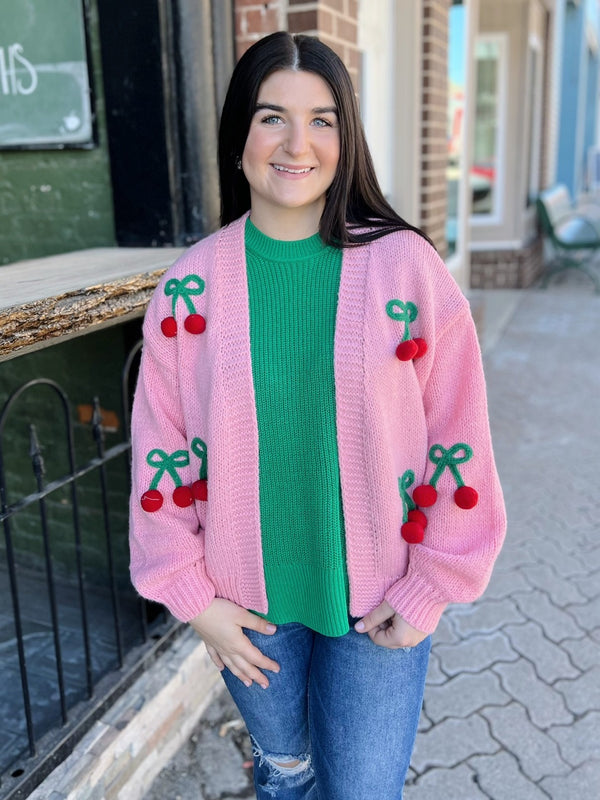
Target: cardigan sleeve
x,y
454,561
166,538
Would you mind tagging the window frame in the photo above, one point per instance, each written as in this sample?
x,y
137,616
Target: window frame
x,y
496,216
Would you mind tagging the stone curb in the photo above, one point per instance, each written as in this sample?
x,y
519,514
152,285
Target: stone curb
x,y
125,750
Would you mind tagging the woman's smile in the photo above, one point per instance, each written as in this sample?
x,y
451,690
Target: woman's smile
x,y
294,171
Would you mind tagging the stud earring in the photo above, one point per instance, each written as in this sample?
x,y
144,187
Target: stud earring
x,y
238,163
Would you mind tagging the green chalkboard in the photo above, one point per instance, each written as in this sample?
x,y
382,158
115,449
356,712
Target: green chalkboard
x,y
44,82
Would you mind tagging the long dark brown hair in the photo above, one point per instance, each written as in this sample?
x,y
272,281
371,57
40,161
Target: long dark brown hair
x,y
355,210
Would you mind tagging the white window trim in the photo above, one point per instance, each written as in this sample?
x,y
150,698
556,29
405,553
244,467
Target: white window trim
x,y
515,244
408,16
497,216
535,134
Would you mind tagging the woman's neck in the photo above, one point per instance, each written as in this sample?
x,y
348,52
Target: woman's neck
x,y
287,225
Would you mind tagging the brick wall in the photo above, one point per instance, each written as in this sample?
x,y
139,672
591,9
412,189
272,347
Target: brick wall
x,y
254,20
434,121
507,269
333,21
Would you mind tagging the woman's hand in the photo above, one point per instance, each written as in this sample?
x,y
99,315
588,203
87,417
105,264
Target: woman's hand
x,y
388,629
220,626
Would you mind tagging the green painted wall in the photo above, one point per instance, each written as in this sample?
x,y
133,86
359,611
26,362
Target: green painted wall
x,y
54,201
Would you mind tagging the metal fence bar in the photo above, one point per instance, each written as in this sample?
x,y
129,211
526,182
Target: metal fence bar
x,y
98,432
38,469
85,628
12,577
134,353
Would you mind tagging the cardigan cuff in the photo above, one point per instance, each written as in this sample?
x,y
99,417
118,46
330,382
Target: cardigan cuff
x,y
188,595
417,602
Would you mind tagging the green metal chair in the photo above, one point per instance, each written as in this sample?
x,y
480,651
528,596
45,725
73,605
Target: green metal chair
x,y
573,233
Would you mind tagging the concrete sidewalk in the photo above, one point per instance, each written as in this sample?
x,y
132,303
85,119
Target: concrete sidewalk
x,y
512,706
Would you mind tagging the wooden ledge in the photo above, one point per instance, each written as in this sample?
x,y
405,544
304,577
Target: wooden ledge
x,y
70,294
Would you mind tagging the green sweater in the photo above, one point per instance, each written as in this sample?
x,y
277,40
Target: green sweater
x,y
293,290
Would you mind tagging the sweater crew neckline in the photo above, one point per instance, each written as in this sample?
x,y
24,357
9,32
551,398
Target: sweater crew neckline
x,y
279,250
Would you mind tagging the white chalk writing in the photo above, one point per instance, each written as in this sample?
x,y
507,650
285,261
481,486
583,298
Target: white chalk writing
x,y
17,74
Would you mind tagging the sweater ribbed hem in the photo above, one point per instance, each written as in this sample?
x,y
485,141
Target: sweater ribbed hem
x,y
317,598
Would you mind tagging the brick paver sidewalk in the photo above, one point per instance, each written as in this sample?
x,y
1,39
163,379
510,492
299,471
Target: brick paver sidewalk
x,y
512,707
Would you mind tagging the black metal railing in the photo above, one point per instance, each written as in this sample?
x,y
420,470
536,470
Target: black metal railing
x,y
75,620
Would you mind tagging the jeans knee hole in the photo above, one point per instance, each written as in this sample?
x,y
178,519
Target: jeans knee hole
x,y
282,764
287,764
287,767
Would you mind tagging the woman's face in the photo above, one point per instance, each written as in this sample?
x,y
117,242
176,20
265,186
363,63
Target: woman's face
x,y
292,150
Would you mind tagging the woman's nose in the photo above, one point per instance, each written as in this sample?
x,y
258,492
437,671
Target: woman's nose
x,y
296,141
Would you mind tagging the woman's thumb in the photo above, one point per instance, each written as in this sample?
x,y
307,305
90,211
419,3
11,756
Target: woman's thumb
x,y
373,619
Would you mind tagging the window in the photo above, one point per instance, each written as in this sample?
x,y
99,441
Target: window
x,y
487,171
456,105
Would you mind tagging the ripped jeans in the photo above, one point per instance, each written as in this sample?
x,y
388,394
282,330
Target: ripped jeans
x,y
339,720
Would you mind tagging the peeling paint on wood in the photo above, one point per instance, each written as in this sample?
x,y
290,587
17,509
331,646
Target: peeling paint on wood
x,y
65,298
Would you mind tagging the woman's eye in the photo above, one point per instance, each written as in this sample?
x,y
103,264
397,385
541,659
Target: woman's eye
x,y
321,123
273,119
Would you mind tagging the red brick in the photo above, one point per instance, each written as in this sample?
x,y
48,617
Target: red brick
x,y
265,21
325,21
301,21
336,5
347,29
353,58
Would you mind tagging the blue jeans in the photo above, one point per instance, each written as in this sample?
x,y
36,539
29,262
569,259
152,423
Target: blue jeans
x,y
344,708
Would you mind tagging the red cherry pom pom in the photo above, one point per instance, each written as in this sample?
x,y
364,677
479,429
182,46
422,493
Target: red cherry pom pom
x,y
200,490
169,327
151,500
182,496
417,516
406,351
425,495
466,497
412,532
421,345
195,323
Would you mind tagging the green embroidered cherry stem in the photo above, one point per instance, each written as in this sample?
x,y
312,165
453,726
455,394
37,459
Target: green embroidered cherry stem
x,y
165,463
404,483
414,521
190,285
199,449
407,314
449,459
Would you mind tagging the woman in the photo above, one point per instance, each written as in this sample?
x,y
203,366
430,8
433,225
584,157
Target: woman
x,y
313,473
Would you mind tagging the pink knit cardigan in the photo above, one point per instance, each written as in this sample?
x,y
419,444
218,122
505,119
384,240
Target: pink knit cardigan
x,y
399,424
